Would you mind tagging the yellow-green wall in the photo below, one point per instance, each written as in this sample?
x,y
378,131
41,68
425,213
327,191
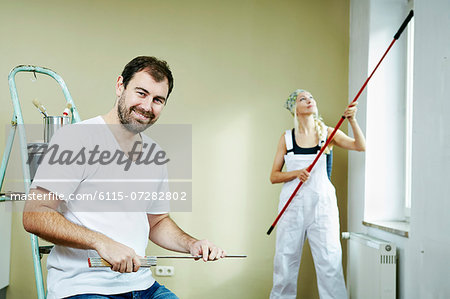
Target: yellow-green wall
x,y
234,63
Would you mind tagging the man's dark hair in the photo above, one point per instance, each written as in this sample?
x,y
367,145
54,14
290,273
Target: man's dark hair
x,y
158,69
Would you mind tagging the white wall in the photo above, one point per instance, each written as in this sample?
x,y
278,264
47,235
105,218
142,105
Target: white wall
x,y
424,264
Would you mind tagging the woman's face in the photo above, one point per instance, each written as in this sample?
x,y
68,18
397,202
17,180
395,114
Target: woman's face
x,y
306,104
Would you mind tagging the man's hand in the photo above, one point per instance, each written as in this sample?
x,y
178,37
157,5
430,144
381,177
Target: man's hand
x,y
121,257
209,251
165,233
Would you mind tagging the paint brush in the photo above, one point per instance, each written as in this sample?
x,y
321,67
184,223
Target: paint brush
x,y
150,261
67,109
40,107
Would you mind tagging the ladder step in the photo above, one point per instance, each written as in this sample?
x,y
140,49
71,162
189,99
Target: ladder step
x,y
45,249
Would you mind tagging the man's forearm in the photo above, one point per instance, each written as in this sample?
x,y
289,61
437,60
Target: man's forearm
x,y
42,219
165,233
168,235
53,227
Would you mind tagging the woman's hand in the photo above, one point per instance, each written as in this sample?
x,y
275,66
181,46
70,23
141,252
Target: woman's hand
x,y
350,112
358,142
303,175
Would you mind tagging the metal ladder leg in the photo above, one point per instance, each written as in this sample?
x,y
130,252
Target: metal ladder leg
x,y
18,120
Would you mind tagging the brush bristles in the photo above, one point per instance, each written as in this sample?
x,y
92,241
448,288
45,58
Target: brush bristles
x,y
99,262
39,106
36,103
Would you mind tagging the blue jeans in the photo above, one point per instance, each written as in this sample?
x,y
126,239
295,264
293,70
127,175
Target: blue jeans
x,y
156,291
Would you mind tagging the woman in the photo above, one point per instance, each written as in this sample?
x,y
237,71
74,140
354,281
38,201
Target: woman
x,y
313,212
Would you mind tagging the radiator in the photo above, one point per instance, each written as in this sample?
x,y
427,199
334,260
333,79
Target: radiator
x,y
371,271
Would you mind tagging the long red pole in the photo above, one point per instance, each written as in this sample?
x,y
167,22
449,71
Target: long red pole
x,y
330,138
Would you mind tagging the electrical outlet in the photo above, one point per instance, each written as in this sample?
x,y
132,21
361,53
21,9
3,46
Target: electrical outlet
x,y
164,271
170,270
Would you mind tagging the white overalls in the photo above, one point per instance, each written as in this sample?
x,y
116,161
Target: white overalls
x,y
312,214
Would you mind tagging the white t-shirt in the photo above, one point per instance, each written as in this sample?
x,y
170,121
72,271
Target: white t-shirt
x,y
122,201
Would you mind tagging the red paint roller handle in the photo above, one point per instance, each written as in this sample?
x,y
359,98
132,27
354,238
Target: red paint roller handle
x,y
310,167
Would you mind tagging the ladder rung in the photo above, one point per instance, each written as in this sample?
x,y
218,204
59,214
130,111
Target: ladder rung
x,y
45,249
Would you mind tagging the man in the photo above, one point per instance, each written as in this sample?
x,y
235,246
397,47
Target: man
x,y
116,232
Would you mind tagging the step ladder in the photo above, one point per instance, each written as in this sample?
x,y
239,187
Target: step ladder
x,y
17,124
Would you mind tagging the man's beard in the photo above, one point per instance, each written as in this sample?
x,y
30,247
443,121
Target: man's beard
x,y
133,125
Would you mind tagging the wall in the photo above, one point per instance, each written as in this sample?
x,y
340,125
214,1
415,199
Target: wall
x,y
234,64
423,266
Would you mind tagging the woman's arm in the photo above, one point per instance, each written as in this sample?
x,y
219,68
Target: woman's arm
x,y
278,176
358,143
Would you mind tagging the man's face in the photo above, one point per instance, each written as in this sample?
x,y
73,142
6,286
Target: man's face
x,y
141,103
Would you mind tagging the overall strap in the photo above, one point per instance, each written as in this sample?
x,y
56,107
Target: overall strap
x,y
289,144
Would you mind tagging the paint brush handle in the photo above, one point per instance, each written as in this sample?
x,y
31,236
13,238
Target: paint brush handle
x,y
150,261
194,256
147,261
67,110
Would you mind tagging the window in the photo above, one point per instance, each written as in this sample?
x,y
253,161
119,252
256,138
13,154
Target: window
x,y
389,115
409,112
